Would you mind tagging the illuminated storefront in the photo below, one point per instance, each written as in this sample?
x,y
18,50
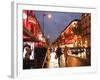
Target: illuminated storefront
x,y
31,29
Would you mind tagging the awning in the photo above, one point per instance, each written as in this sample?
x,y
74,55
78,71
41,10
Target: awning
x,y
29,35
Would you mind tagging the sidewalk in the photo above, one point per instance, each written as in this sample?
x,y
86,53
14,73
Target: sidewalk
x,y
73,61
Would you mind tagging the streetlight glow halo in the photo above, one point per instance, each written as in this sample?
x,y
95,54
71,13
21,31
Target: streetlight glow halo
x,y
49,16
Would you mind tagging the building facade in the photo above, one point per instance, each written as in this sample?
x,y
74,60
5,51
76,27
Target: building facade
x,y
86,25
31,29
67,37
77,33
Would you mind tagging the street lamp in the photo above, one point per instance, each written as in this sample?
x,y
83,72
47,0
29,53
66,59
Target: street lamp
x,y
24,16
48,39
49,16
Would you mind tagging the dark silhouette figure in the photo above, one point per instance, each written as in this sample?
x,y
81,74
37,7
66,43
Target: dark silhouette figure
x,y
66,55
26,61
59,53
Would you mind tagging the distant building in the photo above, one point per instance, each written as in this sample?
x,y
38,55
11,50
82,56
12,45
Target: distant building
x,y
77,33
86,25
67,36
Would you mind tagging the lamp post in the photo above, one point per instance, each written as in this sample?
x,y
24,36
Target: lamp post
x,y
49,16
47,37
43,21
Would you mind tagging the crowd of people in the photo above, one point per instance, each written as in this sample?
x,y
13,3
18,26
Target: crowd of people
x,y
44,57
33,57
57,57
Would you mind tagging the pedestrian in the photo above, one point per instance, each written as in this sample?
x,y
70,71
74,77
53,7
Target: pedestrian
x,y
59,53
53,63
27,57
66,55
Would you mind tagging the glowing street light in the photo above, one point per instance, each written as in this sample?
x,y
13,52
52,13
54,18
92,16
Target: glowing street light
x,y
48,36
24,16
49,16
